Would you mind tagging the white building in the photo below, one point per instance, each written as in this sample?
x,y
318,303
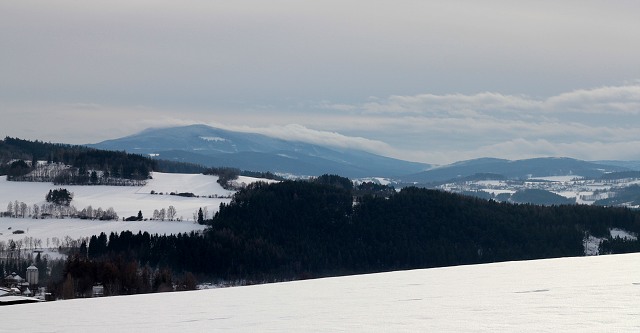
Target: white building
x,y
32,275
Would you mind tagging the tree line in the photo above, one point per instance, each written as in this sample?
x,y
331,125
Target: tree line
x,y
82,162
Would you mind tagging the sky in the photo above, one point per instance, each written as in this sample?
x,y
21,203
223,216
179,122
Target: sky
x,y
421,80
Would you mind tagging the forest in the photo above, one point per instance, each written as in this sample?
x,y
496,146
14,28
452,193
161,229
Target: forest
x,y
83,163
308,229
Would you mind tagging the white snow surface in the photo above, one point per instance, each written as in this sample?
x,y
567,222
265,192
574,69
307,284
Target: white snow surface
x,y
213,138
592,245
76,228
128,200
582,294
615,232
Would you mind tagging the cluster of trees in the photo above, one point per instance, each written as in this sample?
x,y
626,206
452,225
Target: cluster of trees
x,y
18,209
612,245
75,176
17,168
89,213
58,205
225,175
373,189
59,196
178,167
263,175
53,210
158,215
164,214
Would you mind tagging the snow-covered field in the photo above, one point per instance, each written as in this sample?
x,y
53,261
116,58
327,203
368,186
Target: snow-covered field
x,y
126,200
583,294
76,228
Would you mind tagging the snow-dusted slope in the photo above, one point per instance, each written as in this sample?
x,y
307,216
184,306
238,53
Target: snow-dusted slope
x,y
584,294
76,228
126,200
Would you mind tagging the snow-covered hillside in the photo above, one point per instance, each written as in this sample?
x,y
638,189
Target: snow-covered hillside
x,y
126,200
76,228
584,294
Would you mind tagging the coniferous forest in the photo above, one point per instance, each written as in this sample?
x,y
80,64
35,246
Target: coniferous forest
x,y
307,229
80,160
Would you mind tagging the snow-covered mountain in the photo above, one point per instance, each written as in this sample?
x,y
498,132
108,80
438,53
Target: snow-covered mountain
x,y
210,146
583,294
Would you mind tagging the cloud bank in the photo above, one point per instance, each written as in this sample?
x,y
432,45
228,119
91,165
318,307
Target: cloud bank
x,y
599,123
592,124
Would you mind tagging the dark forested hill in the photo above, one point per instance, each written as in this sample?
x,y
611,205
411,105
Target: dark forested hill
x,y
298,229
81,159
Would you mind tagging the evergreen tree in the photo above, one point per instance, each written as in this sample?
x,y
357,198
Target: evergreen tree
x,y
59,196
200,216
94,177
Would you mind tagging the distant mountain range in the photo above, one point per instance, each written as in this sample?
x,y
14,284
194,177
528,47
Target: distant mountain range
x,y
493,168
216,147
210,146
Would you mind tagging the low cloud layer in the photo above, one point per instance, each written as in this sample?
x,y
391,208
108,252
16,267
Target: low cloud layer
x,y
591,124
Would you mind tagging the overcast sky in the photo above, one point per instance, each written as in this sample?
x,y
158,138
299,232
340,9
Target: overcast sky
x,y
428,81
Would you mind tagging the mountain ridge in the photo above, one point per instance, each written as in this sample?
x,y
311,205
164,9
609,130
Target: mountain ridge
x,y
513,169
215,147
211,146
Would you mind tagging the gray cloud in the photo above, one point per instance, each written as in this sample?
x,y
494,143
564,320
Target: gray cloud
x,y
458,126
426,80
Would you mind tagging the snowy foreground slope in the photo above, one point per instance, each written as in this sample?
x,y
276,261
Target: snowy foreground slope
x,y
584,294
